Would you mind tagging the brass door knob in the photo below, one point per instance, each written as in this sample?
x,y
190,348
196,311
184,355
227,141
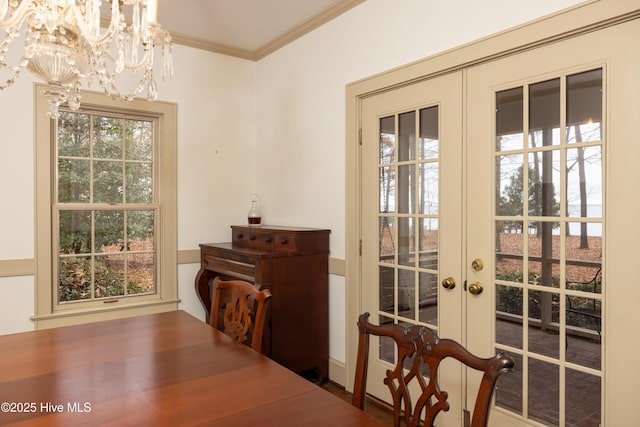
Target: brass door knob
x,y
476,288
449,283
477,264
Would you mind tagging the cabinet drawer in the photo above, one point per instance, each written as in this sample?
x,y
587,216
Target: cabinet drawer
x,y
286,242
229,267
282,239
254,238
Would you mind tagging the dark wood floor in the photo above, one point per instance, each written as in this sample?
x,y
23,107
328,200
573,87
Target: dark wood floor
x,y
372,407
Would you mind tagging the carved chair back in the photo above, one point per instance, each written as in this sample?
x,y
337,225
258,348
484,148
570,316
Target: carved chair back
x,y
239,310
419,348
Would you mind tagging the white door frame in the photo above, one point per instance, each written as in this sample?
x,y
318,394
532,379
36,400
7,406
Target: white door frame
x,y
572,22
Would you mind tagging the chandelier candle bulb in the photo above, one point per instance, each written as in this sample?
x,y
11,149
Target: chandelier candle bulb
x,y
152,11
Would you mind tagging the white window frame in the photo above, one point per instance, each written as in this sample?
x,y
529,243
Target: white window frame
x,y
48,313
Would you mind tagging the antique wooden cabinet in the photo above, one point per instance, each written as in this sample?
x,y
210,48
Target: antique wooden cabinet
x,y
293,264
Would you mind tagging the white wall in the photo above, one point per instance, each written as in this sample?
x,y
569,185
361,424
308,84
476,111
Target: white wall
x,y
216,98
301,103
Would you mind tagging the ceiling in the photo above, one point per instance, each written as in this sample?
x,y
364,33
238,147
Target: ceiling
x,y
248,29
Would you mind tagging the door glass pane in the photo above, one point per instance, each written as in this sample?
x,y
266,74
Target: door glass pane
x,y
387,289
387,189
409,194
386,350
509,387
544,183
406,189
387,140
583,401
509,181
428,239
584,182
429,139
544,318
544,250
428,298
548,229
407,136
406,294
509,121
428,194
387,240
509,316
584,106
544,113
544,386
406,242
509,251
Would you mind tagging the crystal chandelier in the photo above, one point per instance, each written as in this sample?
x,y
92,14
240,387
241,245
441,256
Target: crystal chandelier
x,y
64,44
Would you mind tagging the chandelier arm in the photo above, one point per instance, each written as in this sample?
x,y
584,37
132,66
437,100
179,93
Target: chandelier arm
x,y
20,14
85,31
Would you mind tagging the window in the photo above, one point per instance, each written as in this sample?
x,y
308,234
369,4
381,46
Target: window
x,y
106,210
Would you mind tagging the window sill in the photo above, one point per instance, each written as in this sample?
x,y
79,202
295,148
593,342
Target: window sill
x,y
95,314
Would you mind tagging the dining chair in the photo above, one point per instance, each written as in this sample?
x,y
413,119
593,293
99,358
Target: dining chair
x,y
239,310
429,350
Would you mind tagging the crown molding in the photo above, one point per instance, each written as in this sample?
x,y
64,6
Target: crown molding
x,y
210,46
333,11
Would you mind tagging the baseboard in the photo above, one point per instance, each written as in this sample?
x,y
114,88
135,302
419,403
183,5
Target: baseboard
x,y
337,372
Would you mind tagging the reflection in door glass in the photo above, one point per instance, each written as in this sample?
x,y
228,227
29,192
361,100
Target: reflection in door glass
x,y
509,120
406,250
544,113
428,299
407,294
407,136
387,140
387,189
428,240
428,174
406,188
387,240
584,182
584,107
429,143
387,289
548,244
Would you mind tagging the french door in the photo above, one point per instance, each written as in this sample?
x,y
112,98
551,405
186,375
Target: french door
x,y
412,235
490,213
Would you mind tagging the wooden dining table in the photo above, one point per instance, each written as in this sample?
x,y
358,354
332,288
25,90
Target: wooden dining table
x,y
162,369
